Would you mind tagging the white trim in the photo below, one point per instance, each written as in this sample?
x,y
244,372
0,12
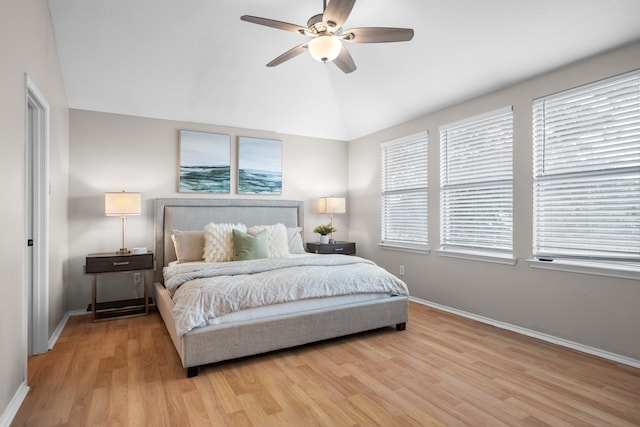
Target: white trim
x,y
478,256
40,295
62,324
598,269
534,334
58,331
14,406
404,248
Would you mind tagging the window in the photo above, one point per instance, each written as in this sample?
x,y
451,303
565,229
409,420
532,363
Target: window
x,y
586,174
476,187
404,195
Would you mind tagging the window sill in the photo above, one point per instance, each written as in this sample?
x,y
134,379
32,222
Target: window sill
x,y
405,248
599,269
479,256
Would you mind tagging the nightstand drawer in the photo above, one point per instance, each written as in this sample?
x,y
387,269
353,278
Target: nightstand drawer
x,y
345,248
110,262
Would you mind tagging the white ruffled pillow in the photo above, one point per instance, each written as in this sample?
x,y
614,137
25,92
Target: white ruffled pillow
x,y
277,239
218,241
294,235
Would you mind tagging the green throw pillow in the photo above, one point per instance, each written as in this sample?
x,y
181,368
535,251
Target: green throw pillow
x,y
248,246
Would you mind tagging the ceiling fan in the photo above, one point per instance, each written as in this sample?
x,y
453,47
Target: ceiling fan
x,y
325,30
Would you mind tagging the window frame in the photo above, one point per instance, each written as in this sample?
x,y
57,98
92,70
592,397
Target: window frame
x,y
390,177
582,178
477,128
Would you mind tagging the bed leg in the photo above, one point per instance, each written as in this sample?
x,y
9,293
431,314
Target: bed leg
x,y
192,371
401,326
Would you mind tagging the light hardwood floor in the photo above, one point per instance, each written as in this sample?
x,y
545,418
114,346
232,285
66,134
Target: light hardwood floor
x,y
443,370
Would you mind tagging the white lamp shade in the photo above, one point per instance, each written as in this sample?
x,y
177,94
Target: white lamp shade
x,y
332,205
122,203
325,48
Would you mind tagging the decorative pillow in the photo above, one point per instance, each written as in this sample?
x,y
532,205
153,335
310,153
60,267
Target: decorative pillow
x,y
294,237
189,245
218,241
249,246
277,238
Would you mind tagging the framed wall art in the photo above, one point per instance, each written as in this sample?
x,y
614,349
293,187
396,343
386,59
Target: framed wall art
x,y
205,162
259,166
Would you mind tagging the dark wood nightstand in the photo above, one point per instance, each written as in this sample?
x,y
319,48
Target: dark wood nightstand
x,y
345,248
109,263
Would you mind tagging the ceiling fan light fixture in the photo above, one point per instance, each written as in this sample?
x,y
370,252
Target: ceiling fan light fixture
x,y
325,48
326,35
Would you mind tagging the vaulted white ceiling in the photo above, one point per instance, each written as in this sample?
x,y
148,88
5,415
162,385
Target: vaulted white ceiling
x,y
195,60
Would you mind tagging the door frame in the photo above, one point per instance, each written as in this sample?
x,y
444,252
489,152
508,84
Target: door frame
x,y
37,177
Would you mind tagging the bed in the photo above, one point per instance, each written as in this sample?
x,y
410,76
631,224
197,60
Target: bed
x,y
263,329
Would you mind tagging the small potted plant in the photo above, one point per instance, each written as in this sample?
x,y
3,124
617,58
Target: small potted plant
x,y
324,230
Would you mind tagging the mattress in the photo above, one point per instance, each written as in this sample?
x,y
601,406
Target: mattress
x,y
294,307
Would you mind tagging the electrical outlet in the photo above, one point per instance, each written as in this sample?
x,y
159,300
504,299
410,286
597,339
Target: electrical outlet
x,y
137,278
402,270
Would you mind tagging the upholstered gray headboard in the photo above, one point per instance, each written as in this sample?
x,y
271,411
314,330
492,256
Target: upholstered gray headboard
x,y
194,214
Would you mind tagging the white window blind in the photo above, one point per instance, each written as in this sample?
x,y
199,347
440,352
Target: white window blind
x,y
476,184
587,172
404,198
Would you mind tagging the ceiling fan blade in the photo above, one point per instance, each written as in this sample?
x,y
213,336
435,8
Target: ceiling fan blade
x,y
377,35
291,53
344,61
273,23
337,12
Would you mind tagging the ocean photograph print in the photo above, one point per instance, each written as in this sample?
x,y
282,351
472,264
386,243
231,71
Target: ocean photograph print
x,y
259,166
205,162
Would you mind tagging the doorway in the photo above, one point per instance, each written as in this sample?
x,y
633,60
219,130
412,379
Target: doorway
x,y
37,218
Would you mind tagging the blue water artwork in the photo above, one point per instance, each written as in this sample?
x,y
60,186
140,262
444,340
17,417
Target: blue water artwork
x,y
259,166
205,162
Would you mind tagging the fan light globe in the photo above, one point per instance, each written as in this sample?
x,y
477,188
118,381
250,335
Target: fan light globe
x,y
325,48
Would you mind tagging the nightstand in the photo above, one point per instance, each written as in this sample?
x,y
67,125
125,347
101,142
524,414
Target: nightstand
x,y
345,248
111,263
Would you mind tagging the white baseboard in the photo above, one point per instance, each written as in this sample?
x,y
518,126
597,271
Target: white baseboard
x,y
62,324
534,334
13,407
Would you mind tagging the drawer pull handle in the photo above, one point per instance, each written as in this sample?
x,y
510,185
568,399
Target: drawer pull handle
x,y
338,249
115,263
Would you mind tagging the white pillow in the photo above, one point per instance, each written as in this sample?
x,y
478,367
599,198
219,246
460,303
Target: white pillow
x,y
294,236
189,245
277,239
218,241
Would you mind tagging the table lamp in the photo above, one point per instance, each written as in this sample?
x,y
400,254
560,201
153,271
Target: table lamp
x,y
122,204
332,205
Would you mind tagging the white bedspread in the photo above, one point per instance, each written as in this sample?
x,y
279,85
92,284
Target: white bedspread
x,y
202,292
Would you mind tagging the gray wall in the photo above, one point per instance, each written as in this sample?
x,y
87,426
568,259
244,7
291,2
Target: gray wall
x,y
596,311
111,152
27,45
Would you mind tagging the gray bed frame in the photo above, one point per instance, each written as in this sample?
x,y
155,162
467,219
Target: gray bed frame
x,y
217,343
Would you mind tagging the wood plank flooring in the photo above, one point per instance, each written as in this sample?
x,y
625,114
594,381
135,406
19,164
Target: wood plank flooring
x,y
443,370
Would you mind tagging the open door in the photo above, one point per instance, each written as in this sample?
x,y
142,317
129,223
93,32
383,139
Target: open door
x,y
37,219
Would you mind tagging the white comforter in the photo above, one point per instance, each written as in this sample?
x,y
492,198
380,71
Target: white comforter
x,y
204,291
